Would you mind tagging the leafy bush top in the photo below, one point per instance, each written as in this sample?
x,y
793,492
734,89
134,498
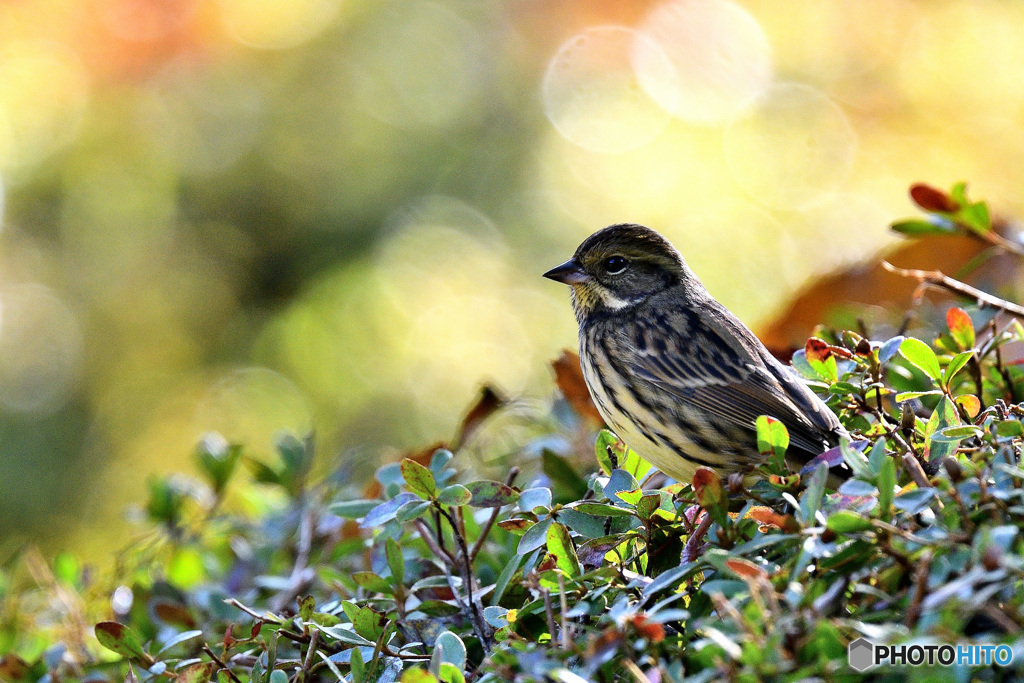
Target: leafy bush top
x,y
552,570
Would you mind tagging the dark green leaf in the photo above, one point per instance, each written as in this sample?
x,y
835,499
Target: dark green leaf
x,y
491,494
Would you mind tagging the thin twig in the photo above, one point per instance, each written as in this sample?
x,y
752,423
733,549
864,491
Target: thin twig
x,y
512,474
924,565
428,538
314,639
935,278
564,605
302,576
217,660
549,612
266,616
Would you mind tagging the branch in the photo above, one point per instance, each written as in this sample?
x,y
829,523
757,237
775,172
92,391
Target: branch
x,y
935,278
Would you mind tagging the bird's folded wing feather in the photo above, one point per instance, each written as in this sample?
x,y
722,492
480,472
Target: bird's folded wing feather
x,y
709,376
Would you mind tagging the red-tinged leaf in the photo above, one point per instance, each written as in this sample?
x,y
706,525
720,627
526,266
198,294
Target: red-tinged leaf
x,y
651,630
487,403
817,350
197,673
13,668
960,327
932,199
122,640
767,517
711,493
569,378
516,525
174,613
745,569
970,404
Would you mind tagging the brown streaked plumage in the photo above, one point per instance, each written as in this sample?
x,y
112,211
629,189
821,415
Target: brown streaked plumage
x,y
677,376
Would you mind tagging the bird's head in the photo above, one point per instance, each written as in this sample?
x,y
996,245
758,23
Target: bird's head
x,y
618,267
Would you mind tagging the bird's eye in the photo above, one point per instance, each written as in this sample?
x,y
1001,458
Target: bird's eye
x,y
615,265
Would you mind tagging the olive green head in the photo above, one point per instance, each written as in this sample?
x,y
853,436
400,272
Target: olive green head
x,y
619,267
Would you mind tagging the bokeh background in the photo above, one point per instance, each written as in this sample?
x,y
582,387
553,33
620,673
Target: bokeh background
x,y
253,215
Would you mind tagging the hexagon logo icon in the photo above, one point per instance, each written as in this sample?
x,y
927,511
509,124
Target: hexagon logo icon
x,y
861,653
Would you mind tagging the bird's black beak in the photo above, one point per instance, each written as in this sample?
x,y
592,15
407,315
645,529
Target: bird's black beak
x,y
569,273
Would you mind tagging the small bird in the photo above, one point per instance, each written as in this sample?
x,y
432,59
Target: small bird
x,y
677,376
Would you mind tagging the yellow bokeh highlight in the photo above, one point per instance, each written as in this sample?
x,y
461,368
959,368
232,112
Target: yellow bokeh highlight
x,y
278,24
44,90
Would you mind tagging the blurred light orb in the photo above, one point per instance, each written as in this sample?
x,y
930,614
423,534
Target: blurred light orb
x,y
423,67
44,90
790,147
718,58
40,350
205,120
592,95
277,24
251,405
144,20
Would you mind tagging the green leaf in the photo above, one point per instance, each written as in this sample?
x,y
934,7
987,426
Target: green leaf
x,y
910,395
560,545
455,495
372,582
122,640
278,676
418,478
648,505
955,434
602,509
921,355
620,481
217,459
956,363
914,501
414,509
535,537
307,605
810,501
772,438
563,476
944,416
491,494
448,648
418,676
369,624
612,453
450,674
915,227
396,562
352,509
345,635
537,497
886,487
846,522
357,666
583,524
976,217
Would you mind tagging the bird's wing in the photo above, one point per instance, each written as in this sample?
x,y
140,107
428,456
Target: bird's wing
x,y
731,383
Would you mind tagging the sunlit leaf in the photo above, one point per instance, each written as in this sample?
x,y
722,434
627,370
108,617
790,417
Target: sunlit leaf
x,y
921,355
